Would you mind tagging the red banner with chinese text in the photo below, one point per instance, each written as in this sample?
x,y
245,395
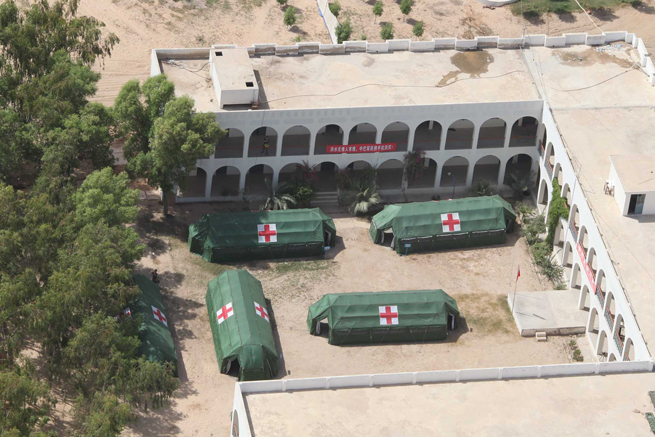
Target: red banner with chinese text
x,y
587,268
362,148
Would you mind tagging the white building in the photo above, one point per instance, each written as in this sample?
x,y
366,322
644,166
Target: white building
x,y
534,104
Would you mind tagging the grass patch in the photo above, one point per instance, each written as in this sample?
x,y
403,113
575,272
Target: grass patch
x,y
301,266
212,268
537,8
486,313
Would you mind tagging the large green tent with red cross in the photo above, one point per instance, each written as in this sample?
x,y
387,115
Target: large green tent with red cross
x,y
241,326
444,224
384,316
227,237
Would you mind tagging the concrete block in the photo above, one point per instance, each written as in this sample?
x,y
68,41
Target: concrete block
x,y
555,41
487,41
308,47
398,44
421,46
616,36
445,43
575,38
265,49
355,46
332,49
595,40
509,43
286,50
466,44
534,40
377,47
541,336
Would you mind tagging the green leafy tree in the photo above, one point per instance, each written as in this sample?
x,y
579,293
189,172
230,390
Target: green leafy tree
x,y
179,138
387,31
418,29
282,2
137,107
378,9
406,7
557,210
480,187
335,8
26,402
289,17
343,31
105,196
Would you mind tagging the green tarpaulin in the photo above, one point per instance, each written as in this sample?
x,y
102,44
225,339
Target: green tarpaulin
x,y
241,326
226,237
156,339
445,224
384,317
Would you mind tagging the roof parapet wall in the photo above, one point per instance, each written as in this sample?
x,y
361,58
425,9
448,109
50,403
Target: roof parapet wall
x,y
482,42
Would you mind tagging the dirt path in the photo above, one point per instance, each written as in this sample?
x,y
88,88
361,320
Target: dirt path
x,y
478,279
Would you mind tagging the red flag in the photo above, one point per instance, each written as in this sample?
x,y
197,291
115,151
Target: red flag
x,y
518,274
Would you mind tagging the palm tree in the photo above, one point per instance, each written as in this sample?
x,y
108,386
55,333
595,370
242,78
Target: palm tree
x,y
364,201
277,199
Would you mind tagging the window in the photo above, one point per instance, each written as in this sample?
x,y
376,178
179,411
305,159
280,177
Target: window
x,y
250,84
636,204
218,53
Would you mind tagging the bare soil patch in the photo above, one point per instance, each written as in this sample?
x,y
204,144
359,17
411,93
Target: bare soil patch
x,y
479,279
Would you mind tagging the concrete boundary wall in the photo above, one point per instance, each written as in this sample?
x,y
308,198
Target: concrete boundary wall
x,y
480,42
413,378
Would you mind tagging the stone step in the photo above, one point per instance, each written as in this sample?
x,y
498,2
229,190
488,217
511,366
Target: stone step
x,y
541,336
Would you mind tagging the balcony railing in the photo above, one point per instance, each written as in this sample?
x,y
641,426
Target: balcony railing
x,y
626,357
541,148
619,344
549,169
599,295
609,318
574,230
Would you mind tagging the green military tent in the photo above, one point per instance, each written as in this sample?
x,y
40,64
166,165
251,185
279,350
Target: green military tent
x,y
156,339
445,224
384,317
241,326
225,237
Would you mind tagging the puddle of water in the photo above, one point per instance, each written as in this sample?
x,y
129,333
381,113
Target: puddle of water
x,y
473,63
589,57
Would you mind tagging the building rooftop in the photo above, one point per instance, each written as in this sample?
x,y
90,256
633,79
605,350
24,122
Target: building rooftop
x,y
233,68
576,406
636,172
369,79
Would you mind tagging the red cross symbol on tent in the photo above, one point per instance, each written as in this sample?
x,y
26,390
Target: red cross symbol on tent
x,y
224,313
450,222
389,315
157,314
267,233
261,311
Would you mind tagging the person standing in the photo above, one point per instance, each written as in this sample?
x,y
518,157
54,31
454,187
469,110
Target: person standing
x,y
266,146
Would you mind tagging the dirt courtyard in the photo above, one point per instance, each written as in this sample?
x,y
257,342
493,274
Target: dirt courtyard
x,y
478,279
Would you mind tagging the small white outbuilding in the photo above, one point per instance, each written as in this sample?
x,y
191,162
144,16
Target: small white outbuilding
x,y
632,181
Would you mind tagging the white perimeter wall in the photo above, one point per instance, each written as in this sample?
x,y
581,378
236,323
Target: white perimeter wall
x,y
440,376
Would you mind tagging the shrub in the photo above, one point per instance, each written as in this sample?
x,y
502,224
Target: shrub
x,y
521,185
481,188
282,2
406,6
577,355
335,8
303,195
418,29
532,227
387,31
343,31
378,8
364,201
290,16
556,210
523,209
363,38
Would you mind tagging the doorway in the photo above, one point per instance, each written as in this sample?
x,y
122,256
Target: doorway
x,y
636,204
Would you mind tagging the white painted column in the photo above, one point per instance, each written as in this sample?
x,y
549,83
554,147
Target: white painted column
x,y
476,136
278,147
246,145
437,178
378,136
508,135
208,184
312,143
501,172
444,135
276,177
410,140
469,174
242,180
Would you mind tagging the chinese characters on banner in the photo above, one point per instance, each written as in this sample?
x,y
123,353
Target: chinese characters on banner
x,y
587,267
362,148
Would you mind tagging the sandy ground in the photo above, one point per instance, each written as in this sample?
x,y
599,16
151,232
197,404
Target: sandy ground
x,y
478,279
146,24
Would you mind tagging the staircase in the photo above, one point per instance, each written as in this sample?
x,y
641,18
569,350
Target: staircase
x,y
325,199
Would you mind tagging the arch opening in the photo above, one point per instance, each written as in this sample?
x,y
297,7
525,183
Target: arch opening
x,y
390,175
492,134
428,136
326,177
257,179
487,169
231,145
424,179
295,141
225,182
585,299
460,135
194,185
363,133
397,132
454,172
524,132
330,135
263,142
